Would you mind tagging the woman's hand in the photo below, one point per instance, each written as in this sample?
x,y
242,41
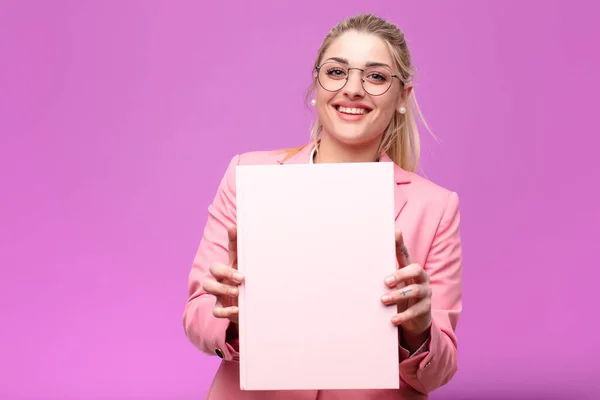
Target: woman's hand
x,y
225,285
410,291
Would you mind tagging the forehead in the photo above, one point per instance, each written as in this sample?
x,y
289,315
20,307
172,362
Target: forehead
x,y
359,48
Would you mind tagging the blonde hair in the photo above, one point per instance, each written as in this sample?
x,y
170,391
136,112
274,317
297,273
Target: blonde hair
x,y
400,140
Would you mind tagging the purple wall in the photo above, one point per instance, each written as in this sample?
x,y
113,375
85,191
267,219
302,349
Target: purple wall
x,y
118,118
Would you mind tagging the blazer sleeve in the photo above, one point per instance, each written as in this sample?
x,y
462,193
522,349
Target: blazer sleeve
x,y
434,367
205,331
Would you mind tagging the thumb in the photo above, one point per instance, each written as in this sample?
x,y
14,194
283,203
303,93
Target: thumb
x,y
401,251
232,235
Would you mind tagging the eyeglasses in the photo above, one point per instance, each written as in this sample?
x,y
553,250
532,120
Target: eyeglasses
x,y
376,80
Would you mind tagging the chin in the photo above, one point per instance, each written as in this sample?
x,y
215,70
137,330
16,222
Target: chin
x,y
353,136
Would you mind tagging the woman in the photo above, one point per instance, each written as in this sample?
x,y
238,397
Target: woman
x,y
362,81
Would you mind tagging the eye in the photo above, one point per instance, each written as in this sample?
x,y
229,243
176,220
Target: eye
x,y
377,77
336,72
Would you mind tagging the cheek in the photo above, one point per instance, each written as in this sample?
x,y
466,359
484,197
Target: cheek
x,y
322,106
322,111
386,108
323,97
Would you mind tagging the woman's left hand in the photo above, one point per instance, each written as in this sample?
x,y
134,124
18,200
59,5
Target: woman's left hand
x,y
410,291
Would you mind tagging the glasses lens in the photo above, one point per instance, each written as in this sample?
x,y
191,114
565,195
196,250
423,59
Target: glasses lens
x,y
333,76
377,80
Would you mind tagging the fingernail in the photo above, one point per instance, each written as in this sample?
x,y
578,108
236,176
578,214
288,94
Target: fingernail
x,y
233,291
386,298
237,276
390,280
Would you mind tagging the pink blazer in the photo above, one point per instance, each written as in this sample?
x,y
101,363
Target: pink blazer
x,y
428,216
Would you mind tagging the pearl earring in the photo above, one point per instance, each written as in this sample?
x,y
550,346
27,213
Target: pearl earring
x,y
402,110
313,102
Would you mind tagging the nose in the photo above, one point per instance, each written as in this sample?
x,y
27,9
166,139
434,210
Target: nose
x,y
353,86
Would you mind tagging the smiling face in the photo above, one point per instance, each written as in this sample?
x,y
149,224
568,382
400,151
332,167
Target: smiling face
x,y
352,115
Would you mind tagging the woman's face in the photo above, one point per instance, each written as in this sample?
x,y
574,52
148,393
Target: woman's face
x,y
353,115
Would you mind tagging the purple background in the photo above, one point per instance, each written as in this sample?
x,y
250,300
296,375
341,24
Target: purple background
x,y
118,118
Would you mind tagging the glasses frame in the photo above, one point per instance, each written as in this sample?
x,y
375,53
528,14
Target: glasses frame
x,y
362,81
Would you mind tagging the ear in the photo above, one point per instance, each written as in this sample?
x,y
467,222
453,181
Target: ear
x,y
315,72
404,95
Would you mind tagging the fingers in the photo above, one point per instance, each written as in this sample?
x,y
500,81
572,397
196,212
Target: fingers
x,y
401,251
219,289
414,291
409,274
226,279
222,271
421,308
232,235
226,312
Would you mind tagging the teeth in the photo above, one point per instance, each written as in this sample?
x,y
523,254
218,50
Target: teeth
x,y
347,110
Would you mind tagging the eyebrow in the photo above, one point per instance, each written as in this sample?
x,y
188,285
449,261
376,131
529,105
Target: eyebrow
x,y
368,64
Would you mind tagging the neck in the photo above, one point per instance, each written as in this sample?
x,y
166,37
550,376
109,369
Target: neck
x,y
332,151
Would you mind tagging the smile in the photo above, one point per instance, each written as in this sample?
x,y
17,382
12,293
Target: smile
x,y
352,111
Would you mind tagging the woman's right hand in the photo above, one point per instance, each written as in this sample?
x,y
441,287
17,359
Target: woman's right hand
x,y
225,285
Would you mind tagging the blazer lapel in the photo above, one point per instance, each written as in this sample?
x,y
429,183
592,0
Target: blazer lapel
x,y
400,200
401,178
298,155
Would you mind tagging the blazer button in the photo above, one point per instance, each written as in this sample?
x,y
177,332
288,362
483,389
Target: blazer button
x,y
219,353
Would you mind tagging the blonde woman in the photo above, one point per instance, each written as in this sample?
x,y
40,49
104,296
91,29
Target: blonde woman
x,y
365,112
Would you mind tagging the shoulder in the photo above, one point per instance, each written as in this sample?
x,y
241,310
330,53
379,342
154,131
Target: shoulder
x,y
430,197
257,157
262,157
428,191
